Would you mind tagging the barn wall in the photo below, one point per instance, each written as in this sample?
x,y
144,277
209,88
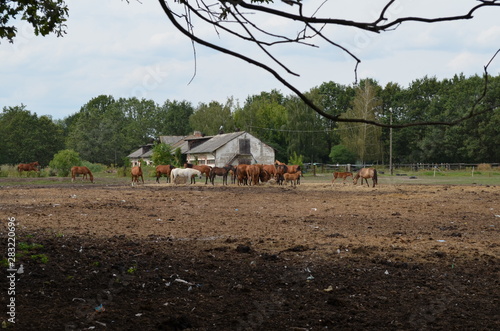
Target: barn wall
x,y
261,153
203,158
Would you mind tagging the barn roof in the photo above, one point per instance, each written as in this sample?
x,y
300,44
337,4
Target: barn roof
x,y
171,140
215,142
143,151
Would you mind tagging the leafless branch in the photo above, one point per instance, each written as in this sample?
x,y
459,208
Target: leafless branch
x,y
215,13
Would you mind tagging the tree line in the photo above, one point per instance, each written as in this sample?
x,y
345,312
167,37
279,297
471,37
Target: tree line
x,y
105,130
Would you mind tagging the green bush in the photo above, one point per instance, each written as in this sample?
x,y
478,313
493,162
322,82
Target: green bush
x,y
341,155
64,160
94,167
297,159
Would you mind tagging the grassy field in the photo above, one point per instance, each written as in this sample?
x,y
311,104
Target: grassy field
x,y
428,178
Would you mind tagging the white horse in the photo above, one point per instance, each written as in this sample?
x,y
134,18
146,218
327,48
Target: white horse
x,y
190,173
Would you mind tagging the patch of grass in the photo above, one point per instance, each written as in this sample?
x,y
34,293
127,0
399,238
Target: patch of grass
x,y
42,258
24,246
4,263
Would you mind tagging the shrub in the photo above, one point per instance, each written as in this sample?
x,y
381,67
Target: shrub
x,y
94,167
64,160
297,159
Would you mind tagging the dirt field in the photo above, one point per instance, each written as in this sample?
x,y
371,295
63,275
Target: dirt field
x,y
163,257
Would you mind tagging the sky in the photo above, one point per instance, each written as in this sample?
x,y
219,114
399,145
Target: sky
x,y
132,50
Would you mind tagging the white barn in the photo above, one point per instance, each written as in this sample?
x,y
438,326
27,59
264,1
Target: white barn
x,y
225,148
228,148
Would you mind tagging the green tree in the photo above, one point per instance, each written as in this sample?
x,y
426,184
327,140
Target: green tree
x,y
106,130
306,133
342,155
64,160
45,17
172,119
361,138
27,138
210,118
162,154
265,117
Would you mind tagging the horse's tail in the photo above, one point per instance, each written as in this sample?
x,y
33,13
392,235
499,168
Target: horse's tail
x,y
375,178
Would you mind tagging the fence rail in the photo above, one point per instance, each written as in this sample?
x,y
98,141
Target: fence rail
x,y
323,167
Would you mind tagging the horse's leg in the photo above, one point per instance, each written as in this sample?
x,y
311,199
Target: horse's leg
x,y
158,175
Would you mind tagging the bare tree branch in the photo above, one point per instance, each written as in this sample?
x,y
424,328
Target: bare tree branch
x,y
215,13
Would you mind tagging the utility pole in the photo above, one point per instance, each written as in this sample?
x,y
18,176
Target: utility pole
x,y
390,144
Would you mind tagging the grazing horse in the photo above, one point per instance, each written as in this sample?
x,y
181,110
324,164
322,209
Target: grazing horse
x,y
81,171
270,169
293,179
241,174
136,173
224,172
204,169
186,172
366,173
253,173
33,166
264,176
163,170
343,175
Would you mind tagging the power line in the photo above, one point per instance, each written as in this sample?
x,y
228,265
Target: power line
x,y
306,131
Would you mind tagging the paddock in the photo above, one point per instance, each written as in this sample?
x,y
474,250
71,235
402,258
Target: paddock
x,y
312,256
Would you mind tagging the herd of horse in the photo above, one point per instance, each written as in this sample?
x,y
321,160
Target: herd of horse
x,y
242,174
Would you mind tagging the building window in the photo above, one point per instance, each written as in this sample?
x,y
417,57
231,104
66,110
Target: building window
x,y
244,146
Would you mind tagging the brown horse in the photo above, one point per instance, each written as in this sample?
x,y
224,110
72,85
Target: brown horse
x,y
204,169
81,171
281,169
270,169
241,174
163,170
253,173
366,173
136,173
33,166
343,175
293,179
224,172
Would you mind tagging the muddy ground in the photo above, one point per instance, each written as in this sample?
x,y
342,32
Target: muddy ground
x,y
164,257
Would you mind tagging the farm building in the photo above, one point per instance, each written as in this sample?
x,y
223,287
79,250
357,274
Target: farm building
x,y
229,148
225,148
144,153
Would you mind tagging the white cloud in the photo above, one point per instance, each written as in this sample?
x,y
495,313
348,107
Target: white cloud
x,y
133,50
